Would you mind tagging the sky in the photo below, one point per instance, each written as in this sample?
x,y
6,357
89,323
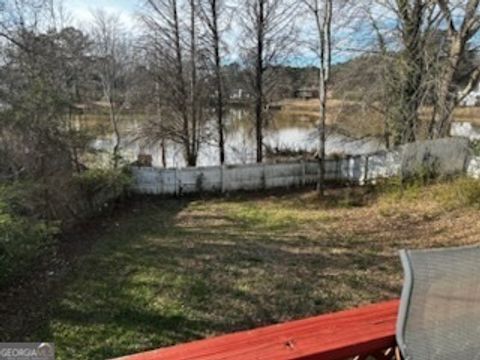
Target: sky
x,y
80,10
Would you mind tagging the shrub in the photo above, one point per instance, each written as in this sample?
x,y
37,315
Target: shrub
x,y
460,192
423,173
23,241
99,187
32,213
397,188
475,145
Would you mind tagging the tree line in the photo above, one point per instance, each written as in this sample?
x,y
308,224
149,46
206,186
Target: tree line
x,y
176,65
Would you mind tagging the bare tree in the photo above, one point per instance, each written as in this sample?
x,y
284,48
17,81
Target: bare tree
x,y
434,38
409,60
463,23
111,51
212,14
382,95
20,17
385,74
269,36
322,10
411,17
193,79
172,45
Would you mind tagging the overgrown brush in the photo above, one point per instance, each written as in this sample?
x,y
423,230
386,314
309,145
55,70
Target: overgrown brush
x,y
397,188
99,187
475,145
24,240
461,192
33,212
450,193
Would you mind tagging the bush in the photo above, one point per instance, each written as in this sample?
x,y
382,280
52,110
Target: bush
x,y
475,144
460,192
23,241
99,187
110,181
412,184
33,212
397,188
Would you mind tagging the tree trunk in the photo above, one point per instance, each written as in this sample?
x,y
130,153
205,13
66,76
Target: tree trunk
x,y
182,90
259,81
218,74
164,153
407,129
321,132
325,47
446,97
192,159
411,19
116,132
443,112
159,114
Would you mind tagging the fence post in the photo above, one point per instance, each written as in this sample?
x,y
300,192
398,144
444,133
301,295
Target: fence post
x,y
351,169
304,171
176,181
338,169
264,166
161,187
365,180
222,178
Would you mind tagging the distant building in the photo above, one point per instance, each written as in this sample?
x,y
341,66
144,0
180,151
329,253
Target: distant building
x,y
472,99
307,93
238,95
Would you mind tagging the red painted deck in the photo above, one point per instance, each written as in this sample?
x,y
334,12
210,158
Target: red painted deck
x,y
366,330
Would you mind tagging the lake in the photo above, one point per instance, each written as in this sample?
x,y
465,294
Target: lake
x,y
292,134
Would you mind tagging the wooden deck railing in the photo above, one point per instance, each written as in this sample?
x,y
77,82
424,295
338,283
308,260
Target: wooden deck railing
x,y
364,333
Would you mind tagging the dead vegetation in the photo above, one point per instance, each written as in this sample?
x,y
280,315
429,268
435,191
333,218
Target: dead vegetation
x,y
348,117
358,120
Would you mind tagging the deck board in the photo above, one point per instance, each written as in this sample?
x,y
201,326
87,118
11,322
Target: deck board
x,y
326,337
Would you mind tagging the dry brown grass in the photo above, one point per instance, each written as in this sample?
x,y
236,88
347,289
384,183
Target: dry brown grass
x,y
470,114
355,119
174,270
346,116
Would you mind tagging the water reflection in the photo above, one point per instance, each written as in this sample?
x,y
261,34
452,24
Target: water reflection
x,y
291,134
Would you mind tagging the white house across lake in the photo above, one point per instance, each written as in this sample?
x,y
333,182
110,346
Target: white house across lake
x,y
472,99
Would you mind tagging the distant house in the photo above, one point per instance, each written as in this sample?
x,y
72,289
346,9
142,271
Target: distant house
x,y
239,95
472,99
307,93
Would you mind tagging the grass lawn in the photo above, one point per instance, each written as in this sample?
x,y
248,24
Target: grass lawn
x,y
170,271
